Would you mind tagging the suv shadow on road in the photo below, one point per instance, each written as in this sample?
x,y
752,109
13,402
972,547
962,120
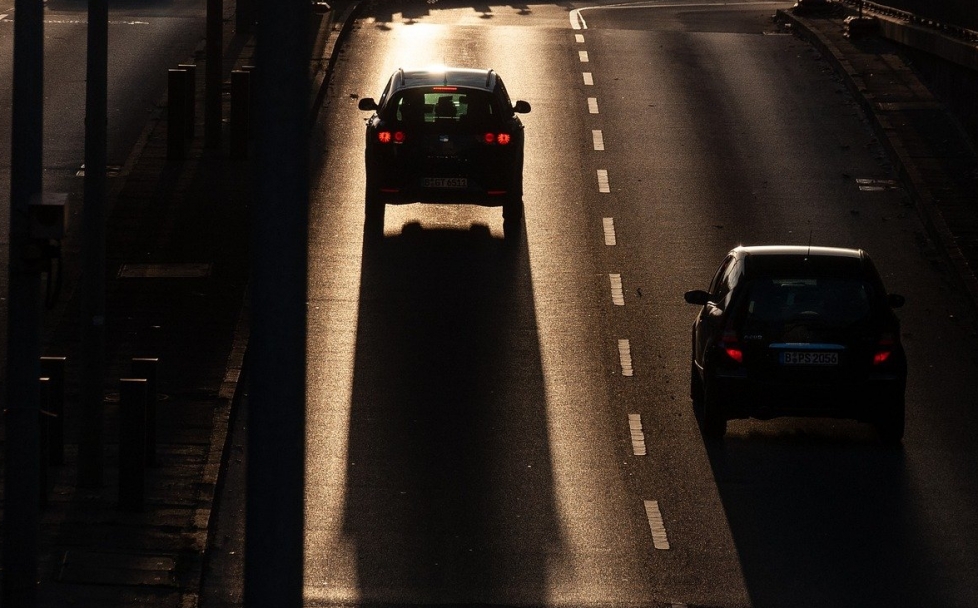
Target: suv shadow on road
x,y
450,492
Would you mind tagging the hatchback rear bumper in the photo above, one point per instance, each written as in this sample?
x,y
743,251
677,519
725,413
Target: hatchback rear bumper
x,y
865,400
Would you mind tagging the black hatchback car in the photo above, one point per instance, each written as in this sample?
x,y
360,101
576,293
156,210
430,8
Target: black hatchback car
x,y
445,135
797,331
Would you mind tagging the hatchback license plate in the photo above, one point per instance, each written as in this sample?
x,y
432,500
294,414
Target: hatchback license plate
x,y
809,358
445,182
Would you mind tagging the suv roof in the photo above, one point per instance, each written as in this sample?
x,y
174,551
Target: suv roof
x,y
443,76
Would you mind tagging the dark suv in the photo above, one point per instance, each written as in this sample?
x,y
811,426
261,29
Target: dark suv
x,y
797,331
444,135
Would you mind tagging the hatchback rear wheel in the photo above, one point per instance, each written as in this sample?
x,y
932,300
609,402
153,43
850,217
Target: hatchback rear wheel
x,y
713,421
891,422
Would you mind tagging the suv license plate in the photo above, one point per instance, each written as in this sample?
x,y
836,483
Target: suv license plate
x,y
809,358
445,182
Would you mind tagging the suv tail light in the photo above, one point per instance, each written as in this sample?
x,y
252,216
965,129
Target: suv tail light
x,y
501,139
387,137
884,348
731,347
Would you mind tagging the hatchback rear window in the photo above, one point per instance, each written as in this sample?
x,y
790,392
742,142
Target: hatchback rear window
x,y
828,302
449,105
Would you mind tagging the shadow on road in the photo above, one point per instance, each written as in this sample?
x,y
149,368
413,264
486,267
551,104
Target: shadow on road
x,y
823,515
449,484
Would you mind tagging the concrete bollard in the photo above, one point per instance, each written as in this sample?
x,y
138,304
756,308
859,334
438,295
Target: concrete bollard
x,y
132,443
176,109
53,368
147,369
191,91
252,83
44,434
240,115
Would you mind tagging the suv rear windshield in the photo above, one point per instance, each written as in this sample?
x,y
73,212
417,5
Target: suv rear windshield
x,y
444,105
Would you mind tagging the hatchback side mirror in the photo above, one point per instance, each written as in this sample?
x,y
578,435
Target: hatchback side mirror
x,y
697,296
895,300
367,104
521,107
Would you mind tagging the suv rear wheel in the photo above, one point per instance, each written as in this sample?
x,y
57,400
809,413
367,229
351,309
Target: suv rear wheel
x,y
512,219
373,217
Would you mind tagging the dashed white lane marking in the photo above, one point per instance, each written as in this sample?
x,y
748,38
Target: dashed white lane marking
x,y
659,538
598,139
604,186
638,435
592,105
579,38
625,357
583,56
588,79
617,293
609,232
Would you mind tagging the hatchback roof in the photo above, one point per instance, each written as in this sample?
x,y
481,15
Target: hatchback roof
x,y
801,250
801,261
445,76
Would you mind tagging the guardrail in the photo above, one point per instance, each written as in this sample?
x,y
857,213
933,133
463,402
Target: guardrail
x,y
951,29
948,29
952,43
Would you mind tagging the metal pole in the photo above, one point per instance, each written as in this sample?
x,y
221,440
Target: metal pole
x,y
21,517
276,407
90,441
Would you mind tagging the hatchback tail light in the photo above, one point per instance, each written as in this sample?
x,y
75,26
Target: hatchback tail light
x,y
884,349
731,347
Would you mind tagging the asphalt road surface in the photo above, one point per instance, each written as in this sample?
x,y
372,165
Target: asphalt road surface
x,y
511,425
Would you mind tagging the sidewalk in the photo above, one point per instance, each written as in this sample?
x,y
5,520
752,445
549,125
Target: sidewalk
x,y
933,159
177,264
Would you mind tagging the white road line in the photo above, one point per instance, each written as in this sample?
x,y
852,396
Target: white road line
x,y
617,293
598,139
604,186
577,20
2,17
659,538
609,232
592,105
582,55
625,358
579,38
638,435
85,22
588,79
